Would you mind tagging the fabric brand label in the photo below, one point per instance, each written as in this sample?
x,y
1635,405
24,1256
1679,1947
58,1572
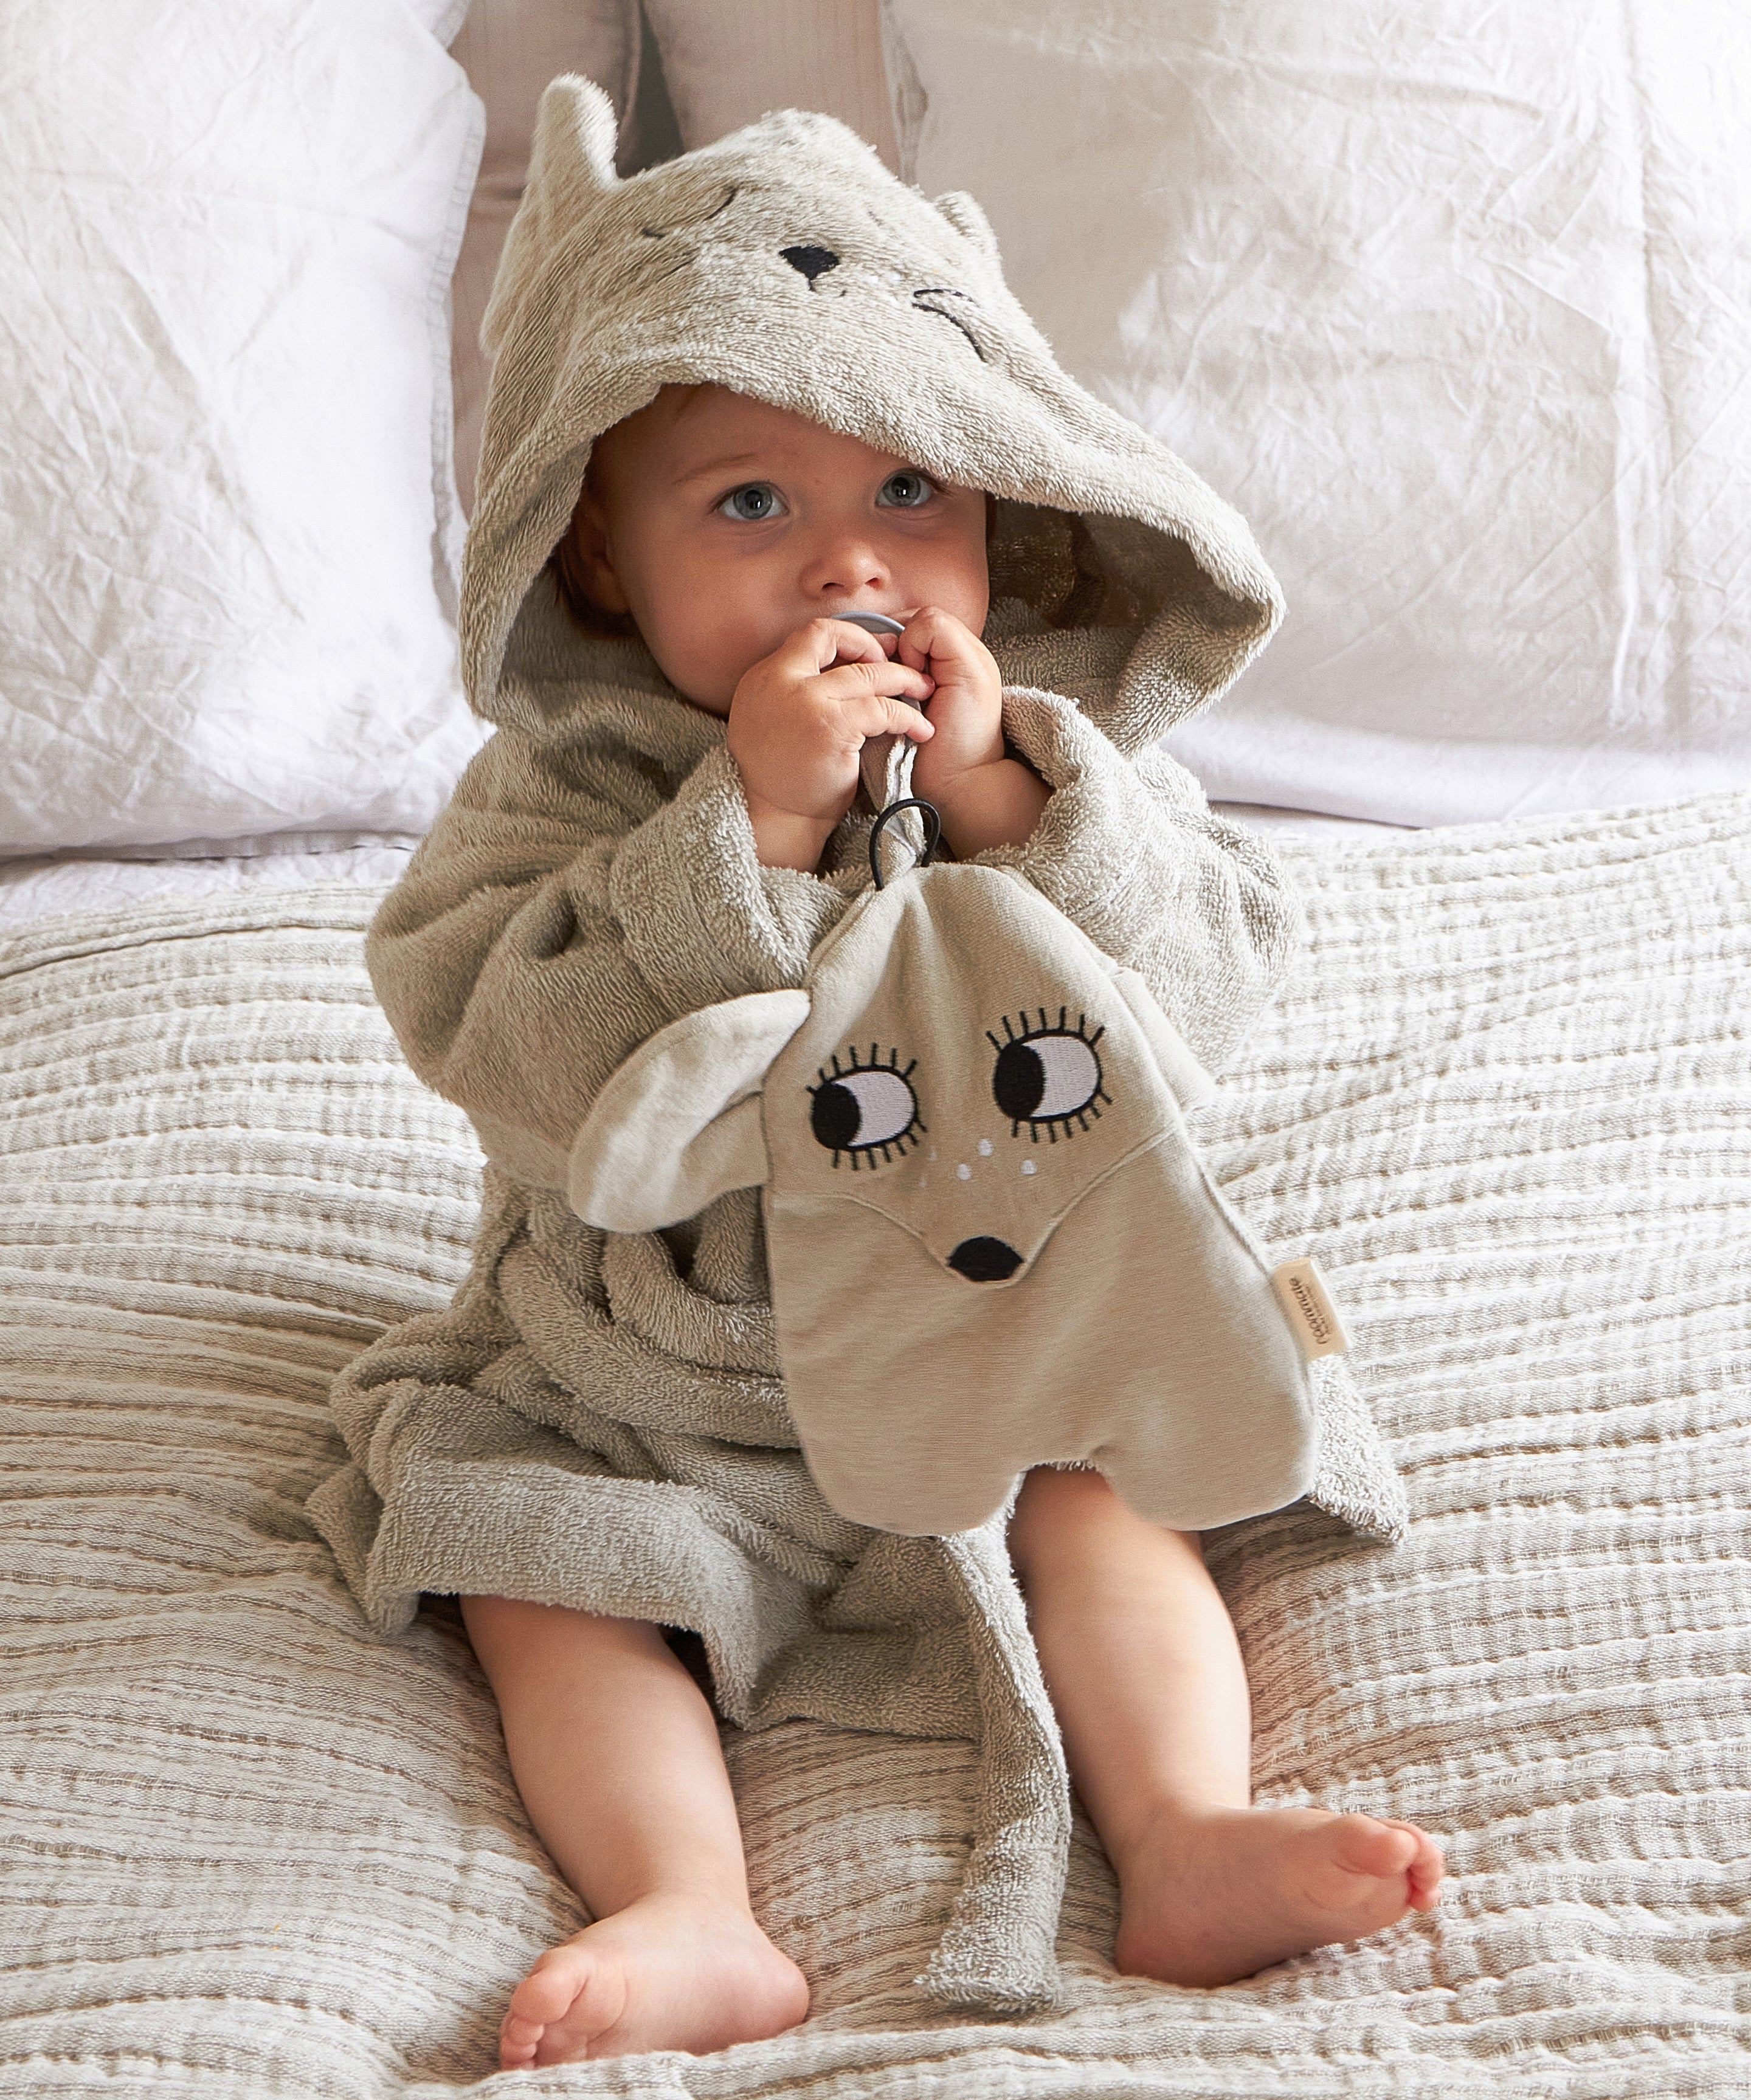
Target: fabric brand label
x,y
1301,1290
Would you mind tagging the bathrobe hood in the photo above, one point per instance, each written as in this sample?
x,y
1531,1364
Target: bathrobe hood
x,y
785,262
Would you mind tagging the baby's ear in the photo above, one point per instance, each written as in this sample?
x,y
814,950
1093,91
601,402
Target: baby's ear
x,y
966,217
678,1124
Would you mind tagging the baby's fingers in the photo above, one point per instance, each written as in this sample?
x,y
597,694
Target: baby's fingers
x,y
933,635
862,715
881,680
821,642
895,718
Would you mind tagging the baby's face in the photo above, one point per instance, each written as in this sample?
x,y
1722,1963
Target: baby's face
x,y
722,525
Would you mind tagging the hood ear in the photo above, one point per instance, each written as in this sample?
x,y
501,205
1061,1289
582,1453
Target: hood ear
x,y
678,1124
571,164
968,218
576,118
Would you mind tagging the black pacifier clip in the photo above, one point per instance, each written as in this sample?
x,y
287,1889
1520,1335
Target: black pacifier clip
x,y
882,623
933,830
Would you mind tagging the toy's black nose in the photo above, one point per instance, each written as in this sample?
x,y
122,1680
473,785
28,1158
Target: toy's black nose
x,y
985,1260
812,261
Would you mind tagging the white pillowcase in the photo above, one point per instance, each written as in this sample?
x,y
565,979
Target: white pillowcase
x,y
228,533
1453,301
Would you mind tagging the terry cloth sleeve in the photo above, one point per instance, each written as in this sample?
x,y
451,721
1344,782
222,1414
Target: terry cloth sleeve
x,y
1128,849
564,908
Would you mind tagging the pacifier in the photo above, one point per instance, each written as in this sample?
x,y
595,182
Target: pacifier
x,y
872,623
885,770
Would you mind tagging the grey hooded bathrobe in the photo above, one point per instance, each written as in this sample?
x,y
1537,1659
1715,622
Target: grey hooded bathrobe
x,y
599,1420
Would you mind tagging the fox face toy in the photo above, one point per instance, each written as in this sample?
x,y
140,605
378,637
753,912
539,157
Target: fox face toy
x,y
993,1243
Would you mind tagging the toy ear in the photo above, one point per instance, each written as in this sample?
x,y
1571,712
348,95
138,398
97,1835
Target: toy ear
x,y
678,1124
967,217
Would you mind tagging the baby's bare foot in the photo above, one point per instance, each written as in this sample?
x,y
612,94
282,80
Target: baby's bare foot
x,y
668,1972
1209,1898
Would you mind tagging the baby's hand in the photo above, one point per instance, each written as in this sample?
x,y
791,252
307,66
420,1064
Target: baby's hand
x,y
983,797
799,721
966,708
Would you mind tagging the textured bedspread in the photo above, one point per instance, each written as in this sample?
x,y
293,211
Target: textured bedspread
x,y
252,1851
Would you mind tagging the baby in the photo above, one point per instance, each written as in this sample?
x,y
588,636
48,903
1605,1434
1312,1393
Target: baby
x,y
687,833
731,533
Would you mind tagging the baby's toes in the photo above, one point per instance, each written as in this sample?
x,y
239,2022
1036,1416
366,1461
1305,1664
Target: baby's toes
x,y
1363,1845
1427,1866
556,1988
518,2040
550,1987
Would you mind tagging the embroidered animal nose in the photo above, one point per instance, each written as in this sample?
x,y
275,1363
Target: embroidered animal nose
x,y
984,1260
812,261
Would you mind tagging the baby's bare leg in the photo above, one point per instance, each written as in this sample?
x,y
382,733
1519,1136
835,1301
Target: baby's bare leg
x,y
615,1753
1145,1675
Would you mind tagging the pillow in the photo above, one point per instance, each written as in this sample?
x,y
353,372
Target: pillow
x,y
1453,301
228,531
510,49
726,67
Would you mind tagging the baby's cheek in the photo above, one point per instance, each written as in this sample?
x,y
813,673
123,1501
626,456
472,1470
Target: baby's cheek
x,y
702,662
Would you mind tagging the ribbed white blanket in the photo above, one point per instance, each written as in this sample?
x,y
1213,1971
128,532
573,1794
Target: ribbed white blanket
x,y
253,1852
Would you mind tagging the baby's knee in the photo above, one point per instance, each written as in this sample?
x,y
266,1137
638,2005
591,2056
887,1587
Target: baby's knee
x,y
1056,1504
1069,1515
514,1637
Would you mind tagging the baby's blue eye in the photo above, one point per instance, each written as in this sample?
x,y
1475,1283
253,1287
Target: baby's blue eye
x,y
755,501
905,490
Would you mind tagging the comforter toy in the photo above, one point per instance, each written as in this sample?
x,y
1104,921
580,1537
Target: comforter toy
x,y
993,1243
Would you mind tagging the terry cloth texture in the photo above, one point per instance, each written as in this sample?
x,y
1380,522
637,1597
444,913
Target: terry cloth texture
x,y
256,1852
598,1421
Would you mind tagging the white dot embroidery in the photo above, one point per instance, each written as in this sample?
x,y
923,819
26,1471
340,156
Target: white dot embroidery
x,y
1027,1167
963,1173
984,1148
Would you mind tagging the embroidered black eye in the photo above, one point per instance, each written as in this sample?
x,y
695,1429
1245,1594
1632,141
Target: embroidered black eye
x,y
1048,1075
863,1109
756,500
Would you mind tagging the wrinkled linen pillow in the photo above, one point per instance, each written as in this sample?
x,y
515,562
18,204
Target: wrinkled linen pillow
x,y
229,531
1454,302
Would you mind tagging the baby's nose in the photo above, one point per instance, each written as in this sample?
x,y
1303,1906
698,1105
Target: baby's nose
x,y
812,261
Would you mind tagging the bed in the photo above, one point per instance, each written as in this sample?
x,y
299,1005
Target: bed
x,y
253,1850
